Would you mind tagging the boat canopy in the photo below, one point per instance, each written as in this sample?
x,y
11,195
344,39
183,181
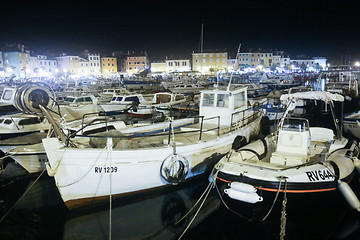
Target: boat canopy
x,y
314,95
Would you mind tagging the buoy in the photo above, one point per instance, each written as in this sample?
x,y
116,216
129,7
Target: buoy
x,y
243,196
242,187
349,195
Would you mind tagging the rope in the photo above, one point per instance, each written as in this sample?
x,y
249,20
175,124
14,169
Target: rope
x,y
283,214
276,196
109,146
197,202
27,190
207,191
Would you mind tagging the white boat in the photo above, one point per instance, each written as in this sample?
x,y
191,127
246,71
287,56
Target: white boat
x,y
18,124
136,163
296,159
351,124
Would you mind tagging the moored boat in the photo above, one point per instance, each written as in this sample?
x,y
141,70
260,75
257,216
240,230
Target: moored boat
x,y
129,164
298,160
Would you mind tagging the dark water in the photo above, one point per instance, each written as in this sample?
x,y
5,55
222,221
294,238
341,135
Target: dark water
x,y
40,214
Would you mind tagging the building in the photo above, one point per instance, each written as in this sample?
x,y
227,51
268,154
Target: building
x,y
68,64
93,59
136,63
41,66
280,60
181,65
121,58
17,63
303,63
108,65
209,62
84,66
158,66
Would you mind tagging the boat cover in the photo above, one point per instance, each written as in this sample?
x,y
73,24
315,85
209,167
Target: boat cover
x,y
314,95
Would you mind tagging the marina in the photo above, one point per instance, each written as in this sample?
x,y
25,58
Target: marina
x,y
102,171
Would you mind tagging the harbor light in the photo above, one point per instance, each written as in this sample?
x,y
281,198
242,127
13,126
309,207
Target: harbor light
x,y
357,64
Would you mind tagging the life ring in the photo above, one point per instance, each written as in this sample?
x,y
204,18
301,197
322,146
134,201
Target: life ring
x,y
239,142
174,169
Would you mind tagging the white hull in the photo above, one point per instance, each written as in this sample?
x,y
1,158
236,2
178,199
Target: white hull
x,y
90,173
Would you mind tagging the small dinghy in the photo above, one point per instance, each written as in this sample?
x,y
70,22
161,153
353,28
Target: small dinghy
x,y
296,159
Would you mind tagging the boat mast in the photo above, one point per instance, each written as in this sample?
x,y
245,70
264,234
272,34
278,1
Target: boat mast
x,y
236,63
201,45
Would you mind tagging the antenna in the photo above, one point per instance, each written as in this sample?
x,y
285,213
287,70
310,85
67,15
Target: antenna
x,y
236,64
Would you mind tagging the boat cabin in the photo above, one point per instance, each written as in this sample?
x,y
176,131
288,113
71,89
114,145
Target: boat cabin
x,y
223,103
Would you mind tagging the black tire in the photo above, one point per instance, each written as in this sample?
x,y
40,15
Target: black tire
x,y
239,142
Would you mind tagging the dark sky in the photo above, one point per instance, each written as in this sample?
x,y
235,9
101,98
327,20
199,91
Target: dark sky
x,y
165,28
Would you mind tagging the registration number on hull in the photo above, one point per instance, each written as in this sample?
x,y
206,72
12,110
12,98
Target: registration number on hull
x,y
319,175
105,169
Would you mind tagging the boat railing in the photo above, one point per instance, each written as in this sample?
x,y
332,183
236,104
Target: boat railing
x,y
244,117
168,131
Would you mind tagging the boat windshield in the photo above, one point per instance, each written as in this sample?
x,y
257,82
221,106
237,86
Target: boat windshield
x,y
295,125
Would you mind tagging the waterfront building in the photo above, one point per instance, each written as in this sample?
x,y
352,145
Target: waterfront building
x,y
208,62
158,66
41,66
180,65
121,58
303,63
93,61
136,63
17,63
84,66
280,60
68,64
108,65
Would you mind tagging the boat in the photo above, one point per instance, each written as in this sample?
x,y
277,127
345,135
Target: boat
x,y
18,124
89,171
298,160
351,124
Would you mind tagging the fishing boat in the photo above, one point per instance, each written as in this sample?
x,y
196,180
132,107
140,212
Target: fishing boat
x,y
297,160
119,164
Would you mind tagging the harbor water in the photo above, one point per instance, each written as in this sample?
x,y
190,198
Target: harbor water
x,y
34,210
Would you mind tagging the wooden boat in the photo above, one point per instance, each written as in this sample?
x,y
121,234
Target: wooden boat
x,y
296,159
120,164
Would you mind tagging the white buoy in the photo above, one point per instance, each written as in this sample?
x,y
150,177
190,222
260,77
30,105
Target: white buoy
x,y
242,187
349,195
242,196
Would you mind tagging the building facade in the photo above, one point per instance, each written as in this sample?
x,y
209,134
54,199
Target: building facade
x,y
182,65
136,64
108,65
209,62
17,63
68,64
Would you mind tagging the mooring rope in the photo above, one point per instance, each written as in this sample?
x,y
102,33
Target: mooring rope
x,y
27,190
276,196
207,191
109,146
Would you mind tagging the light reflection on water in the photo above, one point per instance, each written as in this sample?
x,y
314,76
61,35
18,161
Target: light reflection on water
x,y
41,214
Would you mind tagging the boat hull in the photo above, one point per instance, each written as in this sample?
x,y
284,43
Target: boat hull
x,y
84,175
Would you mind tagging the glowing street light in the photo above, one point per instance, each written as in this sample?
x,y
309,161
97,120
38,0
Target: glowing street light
x,y
357,64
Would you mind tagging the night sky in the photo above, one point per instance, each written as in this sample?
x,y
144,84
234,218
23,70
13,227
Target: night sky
x,y
173,28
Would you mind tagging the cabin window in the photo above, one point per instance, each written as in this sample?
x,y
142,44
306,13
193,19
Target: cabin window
x,y
222,100
80,100
179,97
239,100
7,95
69,99
7,121
113,99
88,99
29,121
132,99
208,99
119,99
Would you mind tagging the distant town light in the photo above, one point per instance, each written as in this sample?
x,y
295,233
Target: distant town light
x,y
357,64
9,69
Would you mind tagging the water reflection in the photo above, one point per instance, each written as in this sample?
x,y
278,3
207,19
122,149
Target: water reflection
x,y
41,214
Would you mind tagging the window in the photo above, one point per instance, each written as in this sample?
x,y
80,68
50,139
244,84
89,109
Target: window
x,y
88,99
7,121
132,99
239,100
222,100
7,95
204,60
208,99
30,121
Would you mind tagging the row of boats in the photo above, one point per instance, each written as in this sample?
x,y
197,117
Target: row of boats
x,y
94,151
